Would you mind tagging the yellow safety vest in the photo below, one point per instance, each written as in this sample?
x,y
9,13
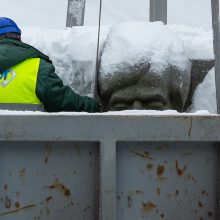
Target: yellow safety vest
x,y
18,84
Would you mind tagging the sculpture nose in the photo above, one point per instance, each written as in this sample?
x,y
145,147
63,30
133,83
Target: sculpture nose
x,y
137,105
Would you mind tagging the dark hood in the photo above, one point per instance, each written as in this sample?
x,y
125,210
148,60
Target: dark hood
x,y
13,52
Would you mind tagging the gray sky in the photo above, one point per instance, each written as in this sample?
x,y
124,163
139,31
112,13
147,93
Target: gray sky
x,y
52,13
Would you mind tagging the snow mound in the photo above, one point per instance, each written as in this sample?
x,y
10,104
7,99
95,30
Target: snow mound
x,y
72,51
143,42
198,42
204,97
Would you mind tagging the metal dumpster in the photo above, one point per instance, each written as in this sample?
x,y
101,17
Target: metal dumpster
x,y
110,166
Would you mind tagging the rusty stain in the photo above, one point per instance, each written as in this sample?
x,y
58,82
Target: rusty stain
x,y
17,205
60,186
158,191
145,155
200,218
160,170
87,207
67,192
17,210
190,177
150,166
194,179
190,127
22,172
162,215
210,214
48,199
177,192
139,192
148,206
46,159
7,202
130,201
180,172
48,153
204,193
134,193
78,150
5,187
200,204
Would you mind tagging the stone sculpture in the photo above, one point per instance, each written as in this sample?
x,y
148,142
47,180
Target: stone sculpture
x,y
156,77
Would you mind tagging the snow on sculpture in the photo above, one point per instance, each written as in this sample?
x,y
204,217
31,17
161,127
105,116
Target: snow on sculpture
x,y
73,52
144,66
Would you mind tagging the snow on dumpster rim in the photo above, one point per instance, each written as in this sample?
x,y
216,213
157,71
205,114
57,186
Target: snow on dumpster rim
x,y
111,113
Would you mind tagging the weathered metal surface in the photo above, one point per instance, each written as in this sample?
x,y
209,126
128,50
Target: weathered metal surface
x,y
181,159
52,181
97,127
158,10
166,180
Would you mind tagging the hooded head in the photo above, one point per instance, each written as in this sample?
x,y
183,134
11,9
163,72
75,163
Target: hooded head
x,y
9,29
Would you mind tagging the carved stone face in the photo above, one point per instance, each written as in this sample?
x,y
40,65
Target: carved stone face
x,y
136,96
140,88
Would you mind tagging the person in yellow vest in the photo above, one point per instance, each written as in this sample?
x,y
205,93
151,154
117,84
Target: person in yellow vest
x,y
28,80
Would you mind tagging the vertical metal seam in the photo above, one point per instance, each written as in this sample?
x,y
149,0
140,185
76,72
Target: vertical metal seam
x,y
218,183
107,197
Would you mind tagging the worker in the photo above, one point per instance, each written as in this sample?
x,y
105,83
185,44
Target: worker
x,y
28,80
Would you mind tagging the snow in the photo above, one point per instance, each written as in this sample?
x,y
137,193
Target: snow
x,y
73,52
141,42
198,42
204,97
111,113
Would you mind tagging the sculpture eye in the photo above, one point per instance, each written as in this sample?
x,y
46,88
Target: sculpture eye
x,y
155,104
119,106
